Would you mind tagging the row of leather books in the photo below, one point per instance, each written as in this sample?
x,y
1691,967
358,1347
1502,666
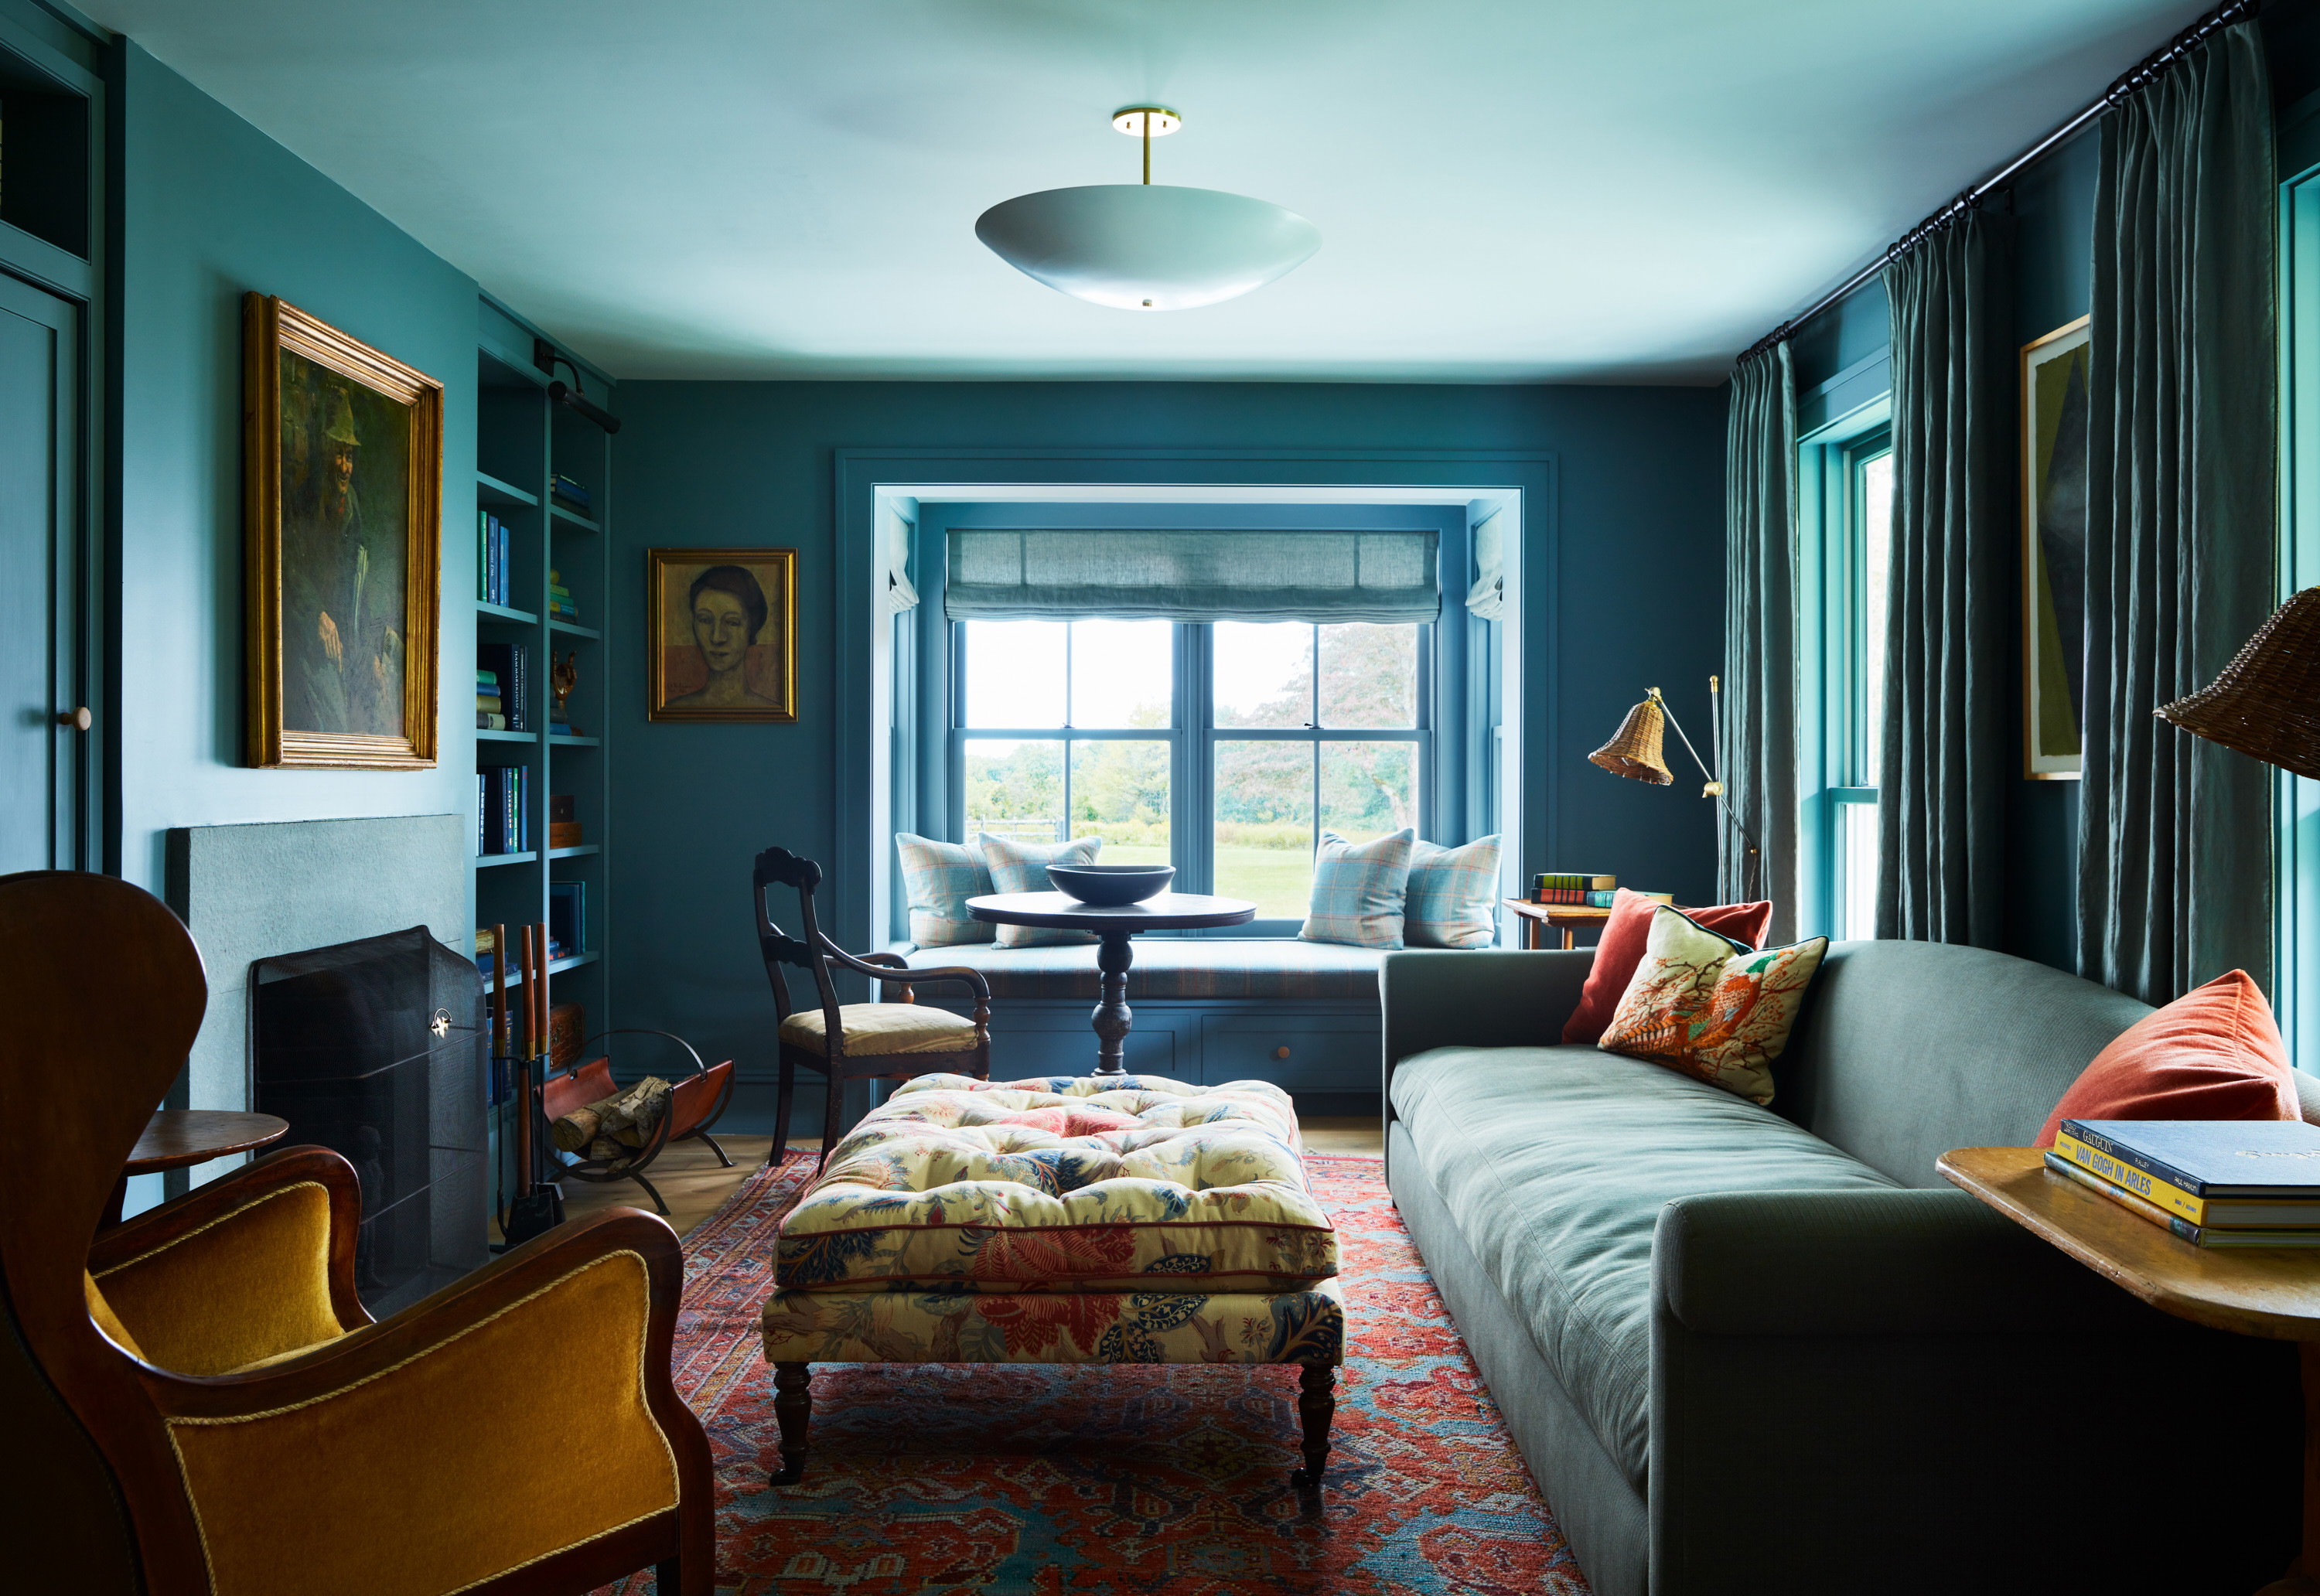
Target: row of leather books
x,y
2215,1183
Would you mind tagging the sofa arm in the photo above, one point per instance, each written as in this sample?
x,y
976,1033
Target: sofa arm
x,y
1899,1263
1450,999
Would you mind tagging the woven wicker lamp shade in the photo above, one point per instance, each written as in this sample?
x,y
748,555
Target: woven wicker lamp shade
x,y
1634,750
2267,701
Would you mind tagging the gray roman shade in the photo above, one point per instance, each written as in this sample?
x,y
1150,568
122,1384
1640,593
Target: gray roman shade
x,y
1191,575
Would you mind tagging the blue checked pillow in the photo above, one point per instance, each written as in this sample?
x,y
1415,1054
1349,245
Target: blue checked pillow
x,y
1022,867
938,878
1454,895
1358,889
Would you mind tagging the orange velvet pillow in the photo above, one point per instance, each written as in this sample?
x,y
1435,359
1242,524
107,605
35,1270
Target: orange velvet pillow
x,y
2212,1054
1621,949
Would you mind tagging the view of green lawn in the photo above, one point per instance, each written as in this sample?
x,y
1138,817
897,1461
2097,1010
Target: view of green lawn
x,y
1279,881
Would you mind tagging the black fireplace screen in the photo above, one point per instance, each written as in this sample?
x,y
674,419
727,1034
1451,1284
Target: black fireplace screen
x,y
377,1049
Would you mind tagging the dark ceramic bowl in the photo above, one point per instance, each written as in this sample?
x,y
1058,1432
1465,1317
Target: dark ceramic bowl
x,y
1110,886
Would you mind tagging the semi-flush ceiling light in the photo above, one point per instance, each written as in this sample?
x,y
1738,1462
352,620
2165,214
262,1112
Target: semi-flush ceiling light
x,y
1146,246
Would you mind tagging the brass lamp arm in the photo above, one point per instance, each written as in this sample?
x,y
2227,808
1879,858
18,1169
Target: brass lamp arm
x,y
1714,789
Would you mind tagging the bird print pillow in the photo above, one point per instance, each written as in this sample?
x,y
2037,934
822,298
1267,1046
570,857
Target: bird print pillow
x,y
1712,1008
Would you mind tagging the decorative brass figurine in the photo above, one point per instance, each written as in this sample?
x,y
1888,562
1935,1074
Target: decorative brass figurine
x,y
561,680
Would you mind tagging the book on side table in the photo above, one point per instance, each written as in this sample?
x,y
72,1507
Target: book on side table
x,y
2215,1183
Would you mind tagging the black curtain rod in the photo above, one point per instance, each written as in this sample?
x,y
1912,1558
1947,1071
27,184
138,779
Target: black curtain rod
x,y
2141,75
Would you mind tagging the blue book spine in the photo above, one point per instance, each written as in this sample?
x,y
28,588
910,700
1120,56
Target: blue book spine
x,y
482,813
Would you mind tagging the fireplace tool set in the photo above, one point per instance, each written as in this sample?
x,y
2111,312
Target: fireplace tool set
x,y
539,1205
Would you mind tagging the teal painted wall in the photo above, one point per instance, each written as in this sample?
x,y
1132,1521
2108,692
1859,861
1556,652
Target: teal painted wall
x,y
208,207
1634,598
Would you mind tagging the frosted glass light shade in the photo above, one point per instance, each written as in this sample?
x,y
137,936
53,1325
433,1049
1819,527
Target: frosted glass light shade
x,y
1137,246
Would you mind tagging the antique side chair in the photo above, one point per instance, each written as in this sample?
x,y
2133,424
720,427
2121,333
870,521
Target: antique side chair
x,y
855,1041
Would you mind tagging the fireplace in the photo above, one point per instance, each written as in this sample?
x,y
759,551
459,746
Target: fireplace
x,y
377,1049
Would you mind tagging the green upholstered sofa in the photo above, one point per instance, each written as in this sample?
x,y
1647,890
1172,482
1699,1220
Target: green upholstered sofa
x,y
1750,1349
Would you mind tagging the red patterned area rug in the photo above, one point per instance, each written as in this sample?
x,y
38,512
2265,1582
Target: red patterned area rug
x,y
942,1479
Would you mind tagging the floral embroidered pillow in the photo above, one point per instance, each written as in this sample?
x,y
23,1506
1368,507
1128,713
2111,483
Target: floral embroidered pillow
x,y
1709,1007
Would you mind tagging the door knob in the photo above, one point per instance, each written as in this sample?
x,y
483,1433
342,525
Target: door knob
x,y
79,719
1281,1051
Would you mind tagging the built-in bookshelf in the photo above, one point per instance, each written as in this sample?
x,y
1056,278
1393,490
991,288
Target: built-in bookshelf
x,y
524,440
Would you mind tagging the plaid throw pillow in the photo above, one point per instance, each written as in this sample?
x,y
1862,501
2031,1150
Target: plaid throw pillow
x,y
1022,867
1454,895
1358,889
938,878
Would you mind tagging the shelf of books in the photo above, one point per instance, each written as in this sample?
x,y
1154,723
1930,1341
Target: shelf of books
x,y
542,587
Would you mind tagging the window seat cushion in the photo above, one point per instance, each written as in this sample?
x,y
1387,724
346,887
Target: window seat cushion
x,y
1172,968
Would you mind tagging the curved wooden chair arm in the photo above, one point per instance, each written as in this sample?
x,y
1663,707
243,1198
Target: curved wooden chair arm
x,y
896,970
424,1327
199,1219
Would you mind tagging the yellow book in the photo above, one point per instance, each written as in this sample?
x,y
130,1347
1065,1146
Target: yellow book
x,y
2174,1199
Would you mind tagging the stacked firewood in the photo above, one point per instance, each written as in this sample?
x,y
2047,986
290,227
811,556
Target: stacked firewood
x,y
608,1132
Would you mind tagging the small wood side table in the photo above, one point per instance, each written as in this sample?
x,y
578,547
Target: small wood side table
x,y
179,1139
1114,924
2273,1293
1538,919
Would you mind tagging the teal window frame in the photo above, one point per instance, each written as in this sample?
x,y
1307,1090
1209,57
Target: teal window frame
x,y
1192,736
2296,809
1834,737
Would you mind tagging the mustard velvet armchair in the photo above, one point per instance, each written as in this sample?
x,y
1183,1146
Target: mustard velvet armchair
x,y
197,1402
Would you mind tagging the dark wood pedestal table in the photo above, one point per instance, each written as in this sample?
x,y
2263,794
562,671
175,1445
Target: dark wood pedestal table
x,y
2269,1292
1168,912
179,1139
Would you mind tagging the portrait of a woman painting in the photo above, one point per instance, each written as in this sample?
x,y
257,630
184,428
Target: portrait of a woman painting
x,y
344,447
723,633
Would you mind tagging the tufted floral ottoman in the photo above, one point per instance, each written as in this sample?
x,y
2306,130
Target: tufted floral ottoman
x,y
1128,1220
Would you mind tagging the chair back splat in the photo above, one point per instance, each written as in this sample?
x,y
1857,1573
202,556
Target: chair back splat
x,y
103,991
850,1041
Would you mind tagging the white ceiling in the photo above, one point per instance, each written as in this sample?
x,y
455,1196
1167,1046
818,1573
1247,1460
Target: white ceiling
x,y
1506,190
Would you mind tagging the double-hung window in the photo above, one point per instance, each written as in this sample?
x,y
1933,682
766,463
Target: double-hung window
x,y
1859,537
1222,746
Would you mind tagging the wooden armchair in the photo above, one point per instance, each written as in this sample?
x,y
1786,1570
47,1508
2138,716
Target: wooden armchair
x,y
696,1102
855,1041
198,1405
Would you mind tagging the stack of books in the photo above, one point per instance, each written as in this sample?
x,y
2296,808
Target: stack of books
x,y
503,814
569,490
507,668
493,584
2215,1183
559,598
1581,889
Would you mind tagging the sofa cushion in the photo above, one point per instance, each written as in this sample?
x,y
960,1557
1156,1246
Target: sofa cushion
x,y
938,879
1072,1184
1195,968
1712,1008
1556,1161
1022,867
1619,948
1359,890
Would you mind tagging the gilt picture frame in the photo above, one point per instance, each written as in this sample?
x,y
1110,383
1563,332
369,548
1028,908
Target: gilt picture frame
x,y
721,630
342,539
2055,428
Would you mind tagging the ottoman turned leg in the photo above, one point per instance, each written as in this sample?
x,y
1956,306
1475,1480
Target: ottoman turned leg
x,y
793,1409
1317,1405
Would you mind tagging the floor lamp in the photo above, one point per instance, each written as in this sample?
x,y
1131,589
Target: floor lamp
x,y
1634,752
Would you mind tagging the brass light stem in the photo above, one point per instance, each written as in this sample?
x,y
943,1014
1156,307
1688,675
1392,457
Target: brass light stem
x,y
1147,150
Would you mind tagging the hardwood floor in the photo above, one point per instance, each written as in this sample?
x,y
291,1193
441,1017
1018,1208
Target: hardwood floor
x,y
693,1182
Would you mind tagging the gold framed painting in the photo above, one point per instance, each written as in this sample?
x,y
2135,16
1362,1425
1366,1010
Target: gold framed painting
x,y
2054,552
343,530
721,634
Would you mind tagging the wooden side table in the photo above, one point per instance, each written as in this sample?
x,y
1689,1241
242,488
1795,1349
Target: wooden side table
x,y
1538,919
179,1139
2273,1293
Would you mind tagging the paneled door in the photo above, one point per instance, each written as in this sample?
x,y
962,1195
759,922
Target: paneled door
x,y
43,742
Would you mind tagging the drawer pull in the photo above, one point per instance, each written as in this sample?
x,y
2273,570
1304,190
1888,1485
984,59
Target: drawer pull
x,y
1281,1051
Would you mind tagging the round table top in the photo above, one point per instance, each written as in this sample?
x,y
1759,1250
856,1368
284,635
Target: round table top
x,y
1165,911
178,1137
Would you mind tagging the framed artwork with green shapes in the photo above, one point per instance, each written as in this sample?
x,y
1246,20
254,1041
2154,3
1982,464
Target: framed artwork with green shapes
x,y
2054,552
